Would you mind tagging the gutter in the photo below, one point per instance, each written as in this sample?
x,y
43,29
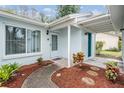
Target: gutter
x,y
60,20
23,19
94,18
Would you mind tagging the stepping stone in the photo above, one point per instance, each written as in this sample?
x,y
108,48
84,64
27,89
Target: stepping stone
x,y
88,81
22,74
92,73
94,68
58,74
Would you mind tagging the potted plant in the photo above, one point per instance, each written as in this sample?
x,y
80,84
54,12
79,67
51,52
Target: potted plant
x,y
40,61
112,71
78,58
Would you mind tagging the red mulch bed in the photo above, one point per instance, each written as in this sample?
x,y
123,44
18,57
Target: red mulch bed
x,y
23,73
72,78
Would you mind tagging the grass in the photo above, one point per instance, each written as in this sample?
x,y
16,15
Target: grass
x,y
111,53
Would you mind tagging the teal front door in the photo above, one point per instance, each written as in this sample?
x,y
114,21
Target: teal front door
x,y
89,44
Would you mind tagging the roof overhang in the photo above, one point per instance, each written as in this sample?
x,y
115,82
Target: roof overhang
x,y
22,18
61,20
98,24
117,16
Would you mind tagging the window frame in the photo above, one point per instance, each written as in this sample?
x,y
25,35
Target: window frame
x,y
27,39
20,55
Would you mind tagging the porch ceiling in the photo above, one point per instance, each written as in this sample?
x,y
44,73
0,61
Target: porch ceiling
x,y
98,24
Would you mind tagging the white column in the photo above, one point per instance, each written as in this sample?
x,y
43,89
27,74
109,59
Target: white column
x,y
69,42
94,45
123,47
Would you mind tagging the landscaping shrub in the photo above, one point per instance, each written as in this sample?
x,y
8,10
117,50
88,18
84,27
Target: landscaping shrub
x,y
114,49
7,70
120,43
99,46
112,71
78,58
40,60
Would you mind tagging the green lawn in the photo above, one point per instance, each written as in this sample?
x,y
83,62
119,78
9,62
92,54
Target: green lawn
x,y
111,53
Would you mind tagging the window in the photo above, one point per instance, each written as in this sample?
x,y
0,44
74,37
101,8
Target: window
x,y
33,41
54,42
15,40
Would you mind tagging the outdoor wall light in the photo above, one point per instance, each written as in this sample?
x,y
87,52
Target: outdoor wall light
x,y
86,33
47,32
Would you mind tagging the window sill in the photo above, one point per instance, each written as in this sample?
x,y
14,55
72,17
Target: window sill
x,y
16,56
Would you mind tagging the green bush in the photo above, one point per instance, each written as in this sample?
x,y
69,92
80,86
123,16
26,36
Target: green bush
x,y
40,60
99,46
112,63
114,49
7,70
119,43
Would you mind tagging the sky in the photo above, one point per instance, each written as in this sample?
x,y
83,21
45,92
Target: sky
x,y
50,10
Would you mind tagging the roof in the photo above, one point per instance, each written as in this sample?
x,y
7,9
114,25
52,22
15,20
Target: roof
x,y
117,16
99,23
68,17
96,23
22,18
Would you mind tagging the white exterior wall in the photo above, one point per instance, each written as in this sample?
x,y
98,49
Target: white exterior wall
x,y
63,43
79,42
85,44
25,58
75,40
110,41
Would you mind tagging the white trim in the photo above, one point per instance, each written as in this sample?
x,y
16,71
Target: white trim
x,y
11,56
14,56
94,18
60,20
22,18
92,24
52,51
69,42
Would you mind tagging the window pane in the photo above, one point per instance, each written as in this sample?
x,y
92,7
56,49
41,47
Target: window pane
x,y
33,41
15,40
54,42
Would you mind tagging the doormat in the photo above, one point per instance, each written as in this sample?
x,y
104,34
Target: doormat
x,y
56,59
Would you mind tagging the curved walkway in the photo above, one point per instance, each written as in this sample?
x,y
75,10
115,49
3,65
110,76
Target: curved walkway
x,y
41,78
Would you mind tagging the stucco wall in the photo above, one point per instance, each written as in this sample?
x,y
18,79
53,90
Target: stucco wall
x,y
85,43
79,42
23,59
75,40
110,41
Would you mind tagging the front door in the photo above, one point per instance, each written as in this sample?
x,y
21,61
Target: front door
x,y
54,45
89,44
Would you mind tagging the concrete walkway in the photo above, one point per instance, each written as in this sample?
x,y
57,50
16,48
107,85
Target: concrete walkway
x,y
100,62
41,78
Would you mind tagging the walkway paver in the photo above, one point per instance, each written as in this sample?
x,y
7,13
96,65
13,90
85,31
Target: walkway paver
x,y
41,78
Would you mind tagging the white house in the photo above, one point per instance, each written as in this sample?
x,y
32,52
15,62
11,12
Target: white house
x,y
117,18
110,40
23,40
